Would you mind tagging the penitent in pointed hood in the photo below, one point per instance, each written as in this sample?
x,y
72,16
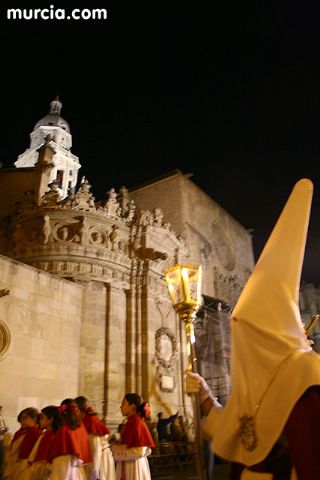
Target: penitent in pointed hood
x,y
272,362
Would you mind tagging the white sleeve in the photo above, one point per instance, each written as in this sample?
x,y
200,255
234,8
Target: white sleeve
x,y
122,453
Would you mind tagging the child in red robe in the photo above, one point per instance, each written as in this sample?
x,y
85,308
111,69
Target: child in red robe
x,y
136,443
70,449
102,465
39,466
22,443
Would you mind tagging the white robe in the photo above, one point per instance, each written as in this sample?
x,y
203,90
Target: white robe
x,y
102,466
67,467
131,463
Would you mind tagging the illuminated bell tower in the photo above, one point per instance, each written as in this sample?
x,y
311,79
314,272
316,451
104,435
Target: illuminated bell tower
x,y
66,165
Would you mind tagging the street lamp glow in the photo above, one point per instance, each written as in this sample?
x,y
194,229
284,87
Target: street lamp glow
x,y
184,285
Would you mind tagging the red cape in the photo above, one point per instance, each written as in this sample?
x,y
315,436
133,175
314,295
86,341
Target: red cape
x,y
21,431
27,444
95,426
136,433
44,446
71,442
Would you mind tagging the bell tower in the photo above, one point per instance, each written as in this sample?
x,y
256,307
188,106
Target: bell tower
x,y
65,164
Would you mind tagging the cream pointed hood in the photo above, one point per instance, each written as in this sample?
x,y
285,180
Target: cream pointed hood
x,y
272,362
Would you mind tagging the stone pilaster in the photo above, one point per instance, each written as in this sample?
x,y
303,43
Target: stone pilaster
x,y
115,351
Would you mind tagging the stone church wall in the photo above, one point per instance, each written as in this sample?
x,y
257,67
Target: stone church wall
x,y
214,239
40,321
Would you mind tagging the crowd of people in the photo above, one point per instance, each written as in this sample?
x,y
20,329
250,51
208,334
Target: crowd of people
x,y
68,441
71,442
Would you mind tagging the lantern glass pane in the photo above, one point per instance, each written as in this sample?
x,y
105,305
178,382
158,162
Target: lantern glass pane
x,y
174,283
194,281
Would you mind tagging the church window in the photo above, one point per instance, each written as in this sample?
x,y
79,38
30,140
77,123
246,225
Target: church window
x,y
70,173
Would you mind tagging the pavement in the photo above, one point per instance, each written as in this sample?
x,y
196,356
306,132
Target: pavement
x,y
221,472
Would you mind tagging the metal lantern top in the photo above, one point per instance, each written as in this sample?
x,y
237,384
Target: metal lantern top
x,y
184,285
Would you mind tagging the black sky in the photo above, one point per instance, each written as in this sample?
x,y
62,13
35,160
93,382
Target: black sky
x,y
229,92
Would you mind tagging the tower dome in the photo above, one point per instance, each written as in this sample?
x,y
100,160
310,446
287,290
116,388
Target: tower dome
x,y
65,164
53,118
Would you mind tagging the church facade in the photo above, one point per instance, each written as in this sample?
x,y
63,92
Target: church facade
x,y
84,307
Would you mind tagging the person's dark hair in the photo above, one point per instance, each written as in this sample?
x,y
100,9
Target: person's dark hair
x,y
143,410
29,412
120,427
84,406
70,413
133,398
51,411
67,401
160,414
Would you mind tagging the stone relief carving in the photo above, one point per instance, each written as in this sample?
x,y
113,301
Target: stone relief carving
x,y
116,230
82,200
124,199
145,218
112,206
53,196
166,346
83,231
99,236
46,229
66,232
131,212
157,217
166,352
114,237
5,338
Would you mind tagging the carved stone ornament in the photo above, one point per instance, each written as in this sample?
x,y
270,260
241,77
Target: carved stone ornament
x,y
166,347
5,338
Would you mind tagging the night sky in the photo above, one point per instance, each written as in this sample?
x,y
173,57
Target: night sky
x,y
228,92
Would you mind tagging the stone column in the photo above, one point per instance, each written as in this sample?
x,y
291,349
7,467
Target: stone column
x,y
138,339
144,332
130,337
115,352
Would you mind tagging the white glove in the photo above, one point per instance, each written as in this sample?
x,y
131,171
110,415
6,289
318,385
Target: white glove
x,y
195,383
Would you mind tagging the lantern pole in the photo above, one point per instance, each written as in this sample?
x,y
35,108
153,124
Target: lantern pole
x,y
186,308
